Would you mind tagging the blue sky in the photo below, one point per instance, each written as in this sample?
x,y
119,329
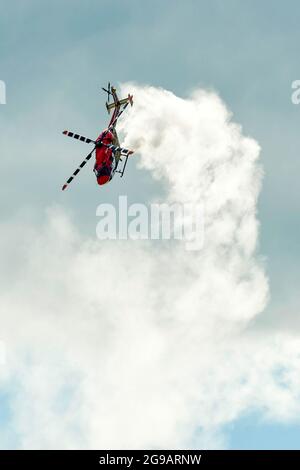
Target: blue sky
x,y
56,55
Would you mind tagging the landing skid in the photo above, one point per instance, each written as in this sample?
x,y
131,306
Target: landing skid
x,y
121,172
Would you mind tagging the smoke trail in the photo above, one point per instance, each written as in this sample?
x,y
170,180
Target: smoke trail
x,y
202,156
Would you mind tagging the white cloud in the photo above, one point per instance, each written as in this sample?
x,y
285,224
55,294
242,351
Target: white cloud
x,y
129,345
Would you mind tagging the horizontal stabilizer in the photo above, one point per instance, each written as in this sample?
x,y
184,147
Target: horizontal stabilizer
x,y
119,103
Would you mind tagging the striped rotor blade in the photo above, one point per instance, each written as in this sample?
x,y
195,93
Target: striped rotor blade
x,y
114,148
78,137
82,164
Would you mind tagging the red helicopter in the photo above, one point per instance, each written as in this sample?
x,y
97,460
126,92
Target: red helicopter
x,y
106,146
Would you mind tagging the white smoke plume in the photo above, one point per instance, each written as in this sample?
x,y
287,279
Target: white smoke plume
x,y
132,345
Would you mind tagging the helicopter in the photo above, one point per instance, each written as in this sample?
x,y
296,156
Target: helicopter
x,y
108,152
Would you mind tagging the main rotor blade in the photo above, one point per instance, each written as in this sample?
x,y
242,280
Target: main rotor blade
x,y
82,164
79,137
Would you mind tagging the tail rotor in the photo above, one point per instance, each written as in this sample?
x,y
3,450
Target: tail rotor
x,y
108,91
